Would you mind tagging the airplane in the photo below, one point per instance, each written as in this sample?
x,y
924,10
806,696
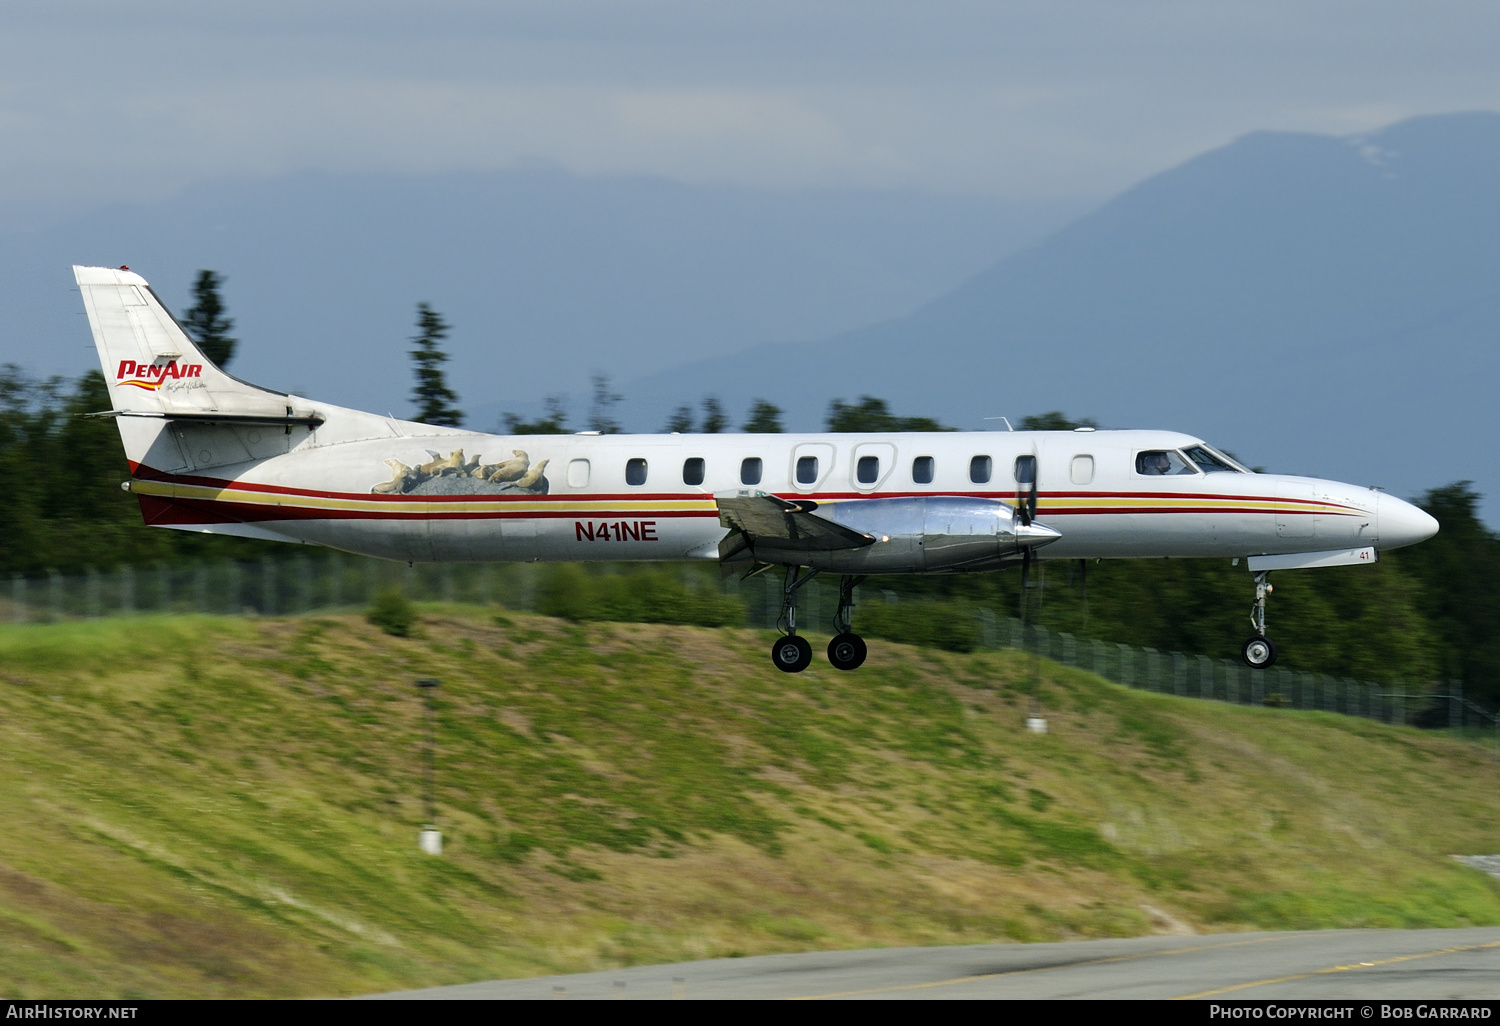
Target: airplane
x,y
214,454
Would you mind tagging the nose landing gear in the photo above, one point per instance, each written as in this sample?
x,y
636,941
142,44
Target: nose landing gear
x,y
1259,652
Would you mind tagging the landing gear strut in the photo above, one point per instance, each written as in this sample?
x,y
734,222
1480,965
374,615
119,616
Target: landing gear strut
x,y
1259,652
791,653
847,650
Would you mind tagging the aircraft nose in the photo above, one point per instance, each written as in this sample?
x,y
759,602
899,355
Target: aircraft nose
x,y
1399,523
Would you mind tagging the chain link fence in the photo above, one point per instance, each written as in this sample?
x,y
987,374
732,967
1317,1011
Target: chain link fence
x,y
302,584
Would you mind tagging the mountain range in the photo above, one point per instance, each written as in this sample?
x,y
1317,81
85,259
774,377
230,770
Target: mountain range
x,y
1316,304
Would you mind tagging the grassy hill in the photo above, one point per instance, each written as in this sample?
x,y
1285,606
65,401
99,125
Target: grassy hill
x,y
220,807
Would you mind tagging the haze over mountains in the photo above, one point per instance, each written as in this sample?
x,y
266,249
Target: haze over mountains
x,y
1318,305
544,276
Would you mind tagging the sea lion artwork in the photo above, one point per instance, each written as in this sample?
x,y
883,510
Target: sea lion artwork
x,y
454,475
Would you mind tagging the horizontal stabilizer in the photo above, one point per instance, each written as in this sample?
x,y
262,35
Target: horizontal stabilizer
x,y
291,417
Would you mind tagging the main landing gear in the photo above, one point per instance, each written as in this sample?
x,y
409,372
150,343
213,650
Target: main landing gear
x,y
847,650
1259,652
791,653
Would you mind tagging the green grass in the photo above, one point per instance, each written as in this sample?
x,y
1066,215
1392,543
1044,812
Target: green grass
x,y
217,807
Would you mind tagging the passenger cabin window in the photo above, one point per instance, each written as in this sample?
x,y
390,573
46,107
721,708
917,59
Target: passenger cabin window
x,y
1025,469
807,470
692,471
1210,462
1081,470
750,470
635,471
1162,463
979,469
867,470
578,474
921,470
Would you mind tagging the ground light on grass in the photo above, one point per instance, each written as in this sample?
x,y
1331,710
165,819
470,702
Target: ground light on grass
x,y
198,806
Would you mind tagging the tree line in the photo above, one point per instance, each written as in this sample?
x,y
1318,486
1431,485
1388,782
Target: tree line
x,y
1421,614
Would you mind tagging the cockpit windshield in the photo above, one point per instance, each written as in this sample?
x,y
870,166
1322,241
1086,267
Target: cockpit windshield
x,y
1210,462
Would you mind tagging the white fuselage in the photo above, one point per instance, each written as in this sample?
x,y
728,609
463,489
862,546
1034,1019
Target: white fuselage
x,y
641,497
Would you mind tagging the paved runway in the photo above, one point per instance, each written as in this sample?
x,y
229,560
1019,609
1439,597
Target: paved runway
x,y
1359,965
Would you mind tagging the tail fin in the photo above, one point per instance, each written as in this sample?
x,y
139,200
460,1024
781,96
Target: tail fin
x,y
156,373
150,364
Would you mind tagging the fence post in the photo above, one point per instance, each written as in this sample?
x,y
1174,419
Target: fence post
x,y
1205,677
1127,664
1099,658
1069,649
164,587
267,586
18,598
1455,704
232,583
302,567
91,607
1179,674
988,636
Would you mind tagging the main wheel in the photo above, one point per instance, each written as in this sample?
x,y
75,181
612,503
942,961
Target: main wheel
x,y
847,651
1259,652
791,654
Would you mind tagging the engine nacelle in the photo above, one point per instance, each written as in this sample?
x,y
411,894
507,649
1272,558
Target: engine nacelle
x,y
929,534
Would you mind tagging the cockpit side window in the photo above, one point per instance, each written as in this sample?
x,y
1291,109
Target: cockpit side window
x,y
1162,463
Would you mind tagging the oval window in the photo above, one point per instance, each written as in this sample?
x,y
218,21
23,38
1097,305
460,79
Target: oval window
x,y
921,470
750,470
867,470
692,471
578,474
979,469
1026,469
807,470
1082,470
635,471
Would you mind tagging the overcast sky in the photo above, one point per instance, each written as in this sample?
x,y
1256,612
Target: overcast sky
x,y
110,100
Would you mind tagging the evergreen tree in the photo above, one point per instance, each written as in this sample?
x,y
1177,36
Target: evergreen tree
x,y
205,321
714,418
765,419
871,414
554,422
432,395
681,421
601,417
1055,420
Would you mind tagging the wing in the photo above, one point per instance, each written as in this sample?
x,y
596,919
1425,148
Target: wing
x,y
781,525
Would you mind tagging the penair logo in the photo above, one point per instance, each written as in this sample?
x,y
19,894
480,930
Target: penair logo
x,y
152,376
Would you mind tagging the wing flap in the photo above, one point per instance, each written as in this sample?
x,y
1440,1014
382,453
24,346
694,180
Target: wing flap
x,y
780,524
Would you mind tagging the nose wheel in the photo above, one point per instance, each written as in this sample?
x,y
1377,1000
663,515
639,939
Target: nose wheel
x,y
1259,653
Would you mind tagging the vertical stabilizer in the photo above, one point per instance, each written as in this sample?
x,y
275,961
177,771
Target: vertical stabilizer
x,y
150,364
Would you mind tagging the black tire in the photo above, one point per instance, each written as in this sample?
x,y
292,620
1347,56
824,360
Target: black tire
x,y
1259,653
847,652
791,654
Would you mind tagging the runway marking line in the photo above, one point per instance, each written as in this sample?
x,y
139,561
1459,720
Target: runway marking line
x,y
1038,969
1338,969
